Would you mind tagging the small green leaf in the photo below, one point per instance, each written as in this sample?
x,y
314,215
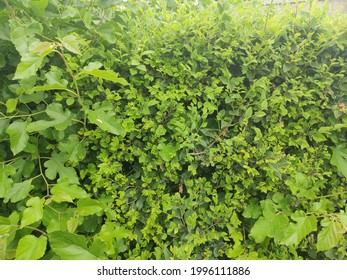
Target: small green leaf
x,y
88,206
106,121
18,136
328,237
287,67
248,113
93,66
31,247
167,151
34,211
11,105
70,246
71,43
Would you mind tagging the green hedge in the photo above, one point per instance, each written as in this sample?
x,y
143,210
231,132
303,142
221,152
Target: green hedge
x,y
172,131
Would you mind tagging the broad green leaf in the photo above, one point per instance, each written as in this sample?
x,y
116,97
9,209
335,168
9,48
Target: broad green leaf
x,y
298,231
339,159
89,206
74,148
5,225
253,210
107,31
64,190
43,47
110,232
18,136
29,64
2,61
4,123
60,119
11,105
70,42
287,67
19,191
106,121
31,247
6,182
70,246
328,237
108,75
56,165
34,211
3,248
44,88
271,224
167,151
248,113
93,66
38,7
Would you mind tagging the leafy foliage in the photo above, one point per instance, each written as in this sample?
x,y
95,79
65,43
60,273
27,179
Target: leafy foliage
x,y
168,130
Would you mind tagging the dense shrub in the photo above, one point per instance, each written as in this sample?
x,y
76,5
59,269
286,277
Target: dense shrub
x,y
172,131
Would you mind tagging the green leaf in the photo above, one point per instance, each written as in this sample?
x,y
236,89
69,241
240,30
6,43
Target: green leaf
x,y
5,225
106,121
3,248
108,75
19,191
60,119
287,67
168,151
34,211
272,225
30,63
5,180
38,7
248,113
45,88
18,136
339,159
31,247
298,231
64,190
70,42
55,166
11,105
43,47
107,31
74,148
328,237
2,61
70,246
88,206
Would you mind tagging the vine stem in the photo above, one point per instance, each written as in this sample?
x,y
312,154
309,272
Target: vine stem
x,y
44,177
9,8
61,54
